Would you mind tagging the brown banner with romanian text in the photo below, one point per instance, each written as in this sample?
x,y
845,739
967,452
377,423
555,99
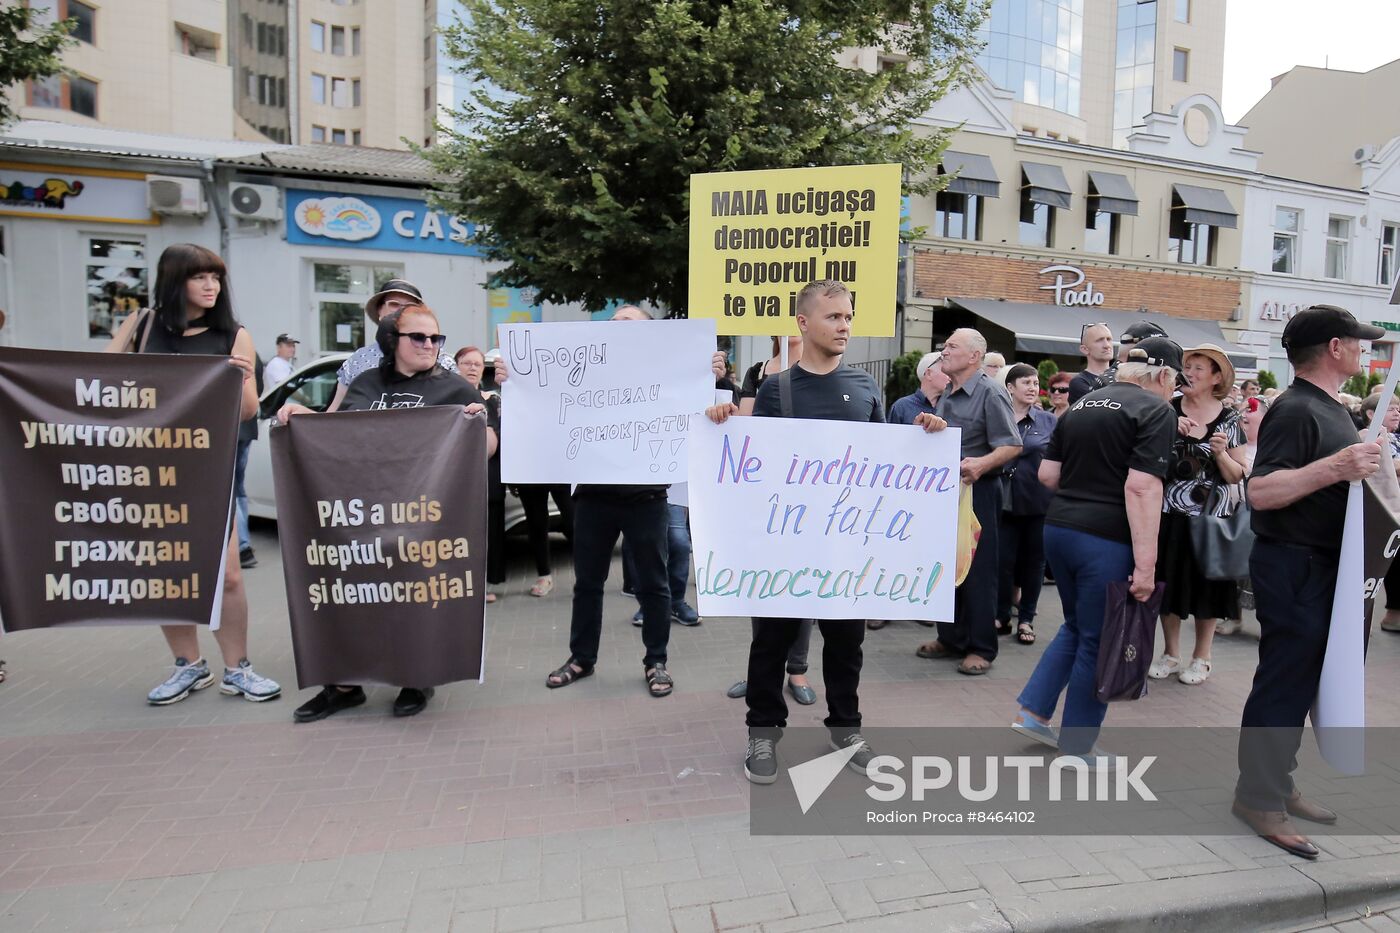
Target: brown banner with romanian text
x,y
382,519
118,474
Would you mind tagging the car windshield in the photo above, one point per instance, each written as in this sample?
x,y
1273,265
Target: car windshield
x,y
313,387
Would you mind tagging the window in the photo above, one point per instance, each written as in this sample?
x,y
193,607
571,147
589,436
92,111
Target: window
x,y
84,15
262,89
247,30
427,47
196,43
428,97
1338,245
1101,230
318,88
115,278
355,41
1183,11
318,134
262,37
355,93
1193,244
339,293
355,137
1390,251
1037,222
340,92
1286,227
958,216
338,137
318,36
250,81
337,40
1181,64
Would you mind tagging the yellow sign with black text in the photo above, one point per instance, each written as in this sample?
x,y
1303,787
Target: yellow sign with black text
x,y
757,237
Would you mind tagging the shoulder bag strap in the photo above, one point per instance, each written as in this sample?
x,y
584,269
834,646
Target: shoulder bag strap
x,y
144,321
785,393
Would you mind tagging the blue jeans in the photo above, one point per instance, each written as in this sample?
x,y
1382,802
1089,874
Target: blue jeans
x,y
677,554
1084,565
240,497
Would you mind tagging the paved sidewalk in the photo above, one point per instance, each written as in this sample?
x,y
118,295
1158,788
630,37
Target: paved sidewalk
x,y
507,806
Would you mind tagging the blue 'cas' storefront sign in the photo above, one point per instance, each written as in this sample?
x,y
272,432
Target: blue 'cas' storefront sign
x,y
370,222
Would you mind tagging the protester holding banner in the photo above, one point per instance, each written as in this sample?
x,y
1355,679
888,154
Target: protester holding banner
x,y
1308,453
1021,567
193,314
1207,462
978,405
534,500
820,388
1391,424
471,365
393,295
409,376
1105,464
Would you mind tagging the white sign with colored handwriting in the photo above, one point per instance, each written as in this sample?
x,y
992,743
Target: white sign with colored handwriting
x,y
602,401
804,519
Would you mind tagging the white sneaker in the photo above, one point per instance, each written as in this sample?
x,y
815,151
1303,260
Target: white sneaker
x,y
1228,627
1164,667
1195,673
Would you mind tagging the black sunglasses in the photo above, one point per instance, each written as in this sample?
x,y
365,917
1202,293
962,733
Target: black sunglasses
x,y
1059,390
1085,329
421,339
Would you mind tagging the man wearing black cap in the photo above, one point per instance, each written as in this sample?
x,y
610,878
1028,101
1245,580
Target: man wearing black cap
x,y
393,295
1087,381
1307,455
279,368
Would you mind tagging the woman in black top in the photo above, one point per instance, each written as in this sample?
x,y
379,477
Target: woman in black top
x,y
193,313
408,377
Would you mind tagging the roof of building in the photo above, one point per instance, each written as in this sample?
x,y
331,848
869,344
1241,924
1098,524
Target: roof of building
x,y
349,161
101,140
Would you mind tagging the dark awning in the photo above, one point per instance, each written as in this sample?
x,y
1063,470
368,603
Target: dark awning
x,y
1115,193
1204,206
1053,329
975,174
1046,184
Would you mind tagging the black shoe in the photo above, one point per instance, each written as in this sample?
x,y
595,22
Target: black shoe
x,y
246,558
328,702
412,700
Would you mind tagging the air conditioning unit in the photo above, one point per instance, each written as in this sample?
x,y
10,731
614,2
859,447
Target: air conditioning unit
x,y
167,194
255,202
1364,154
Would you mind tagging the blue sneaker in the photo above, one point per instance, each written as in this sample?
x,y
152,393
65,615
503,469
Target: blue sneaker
x,y
186,679
684,613
243,679
637,618
1036,730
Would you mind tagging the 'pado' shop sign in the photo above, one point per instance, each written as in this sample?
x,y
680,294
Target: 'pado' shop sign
x,y
370,222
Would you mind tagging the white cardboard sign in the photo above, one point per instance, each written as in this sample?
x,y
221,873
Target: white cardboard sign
x,y
814,519
602,401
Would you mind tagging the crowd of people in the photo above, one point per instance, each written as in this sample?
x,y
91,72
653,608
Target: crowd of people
x,y
1095,477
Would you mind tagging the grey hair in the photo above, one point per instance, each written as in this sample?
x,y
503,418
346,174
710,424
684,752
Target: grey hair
x,y
927,362
1143,374
979,343
640,310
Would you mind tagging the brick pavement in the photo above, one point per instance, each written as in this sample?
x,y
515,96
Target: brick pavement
x,y
507,806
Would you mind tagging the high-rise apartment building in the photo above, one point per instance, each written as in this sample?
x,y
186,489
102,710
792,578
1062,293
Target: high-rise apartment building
x,y
258,54
1090,70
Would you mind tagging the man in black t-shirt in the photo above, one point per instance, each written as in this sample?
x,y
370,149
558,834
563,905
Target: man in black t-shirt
x,y
1096,343
1091,379
820,386
1307,455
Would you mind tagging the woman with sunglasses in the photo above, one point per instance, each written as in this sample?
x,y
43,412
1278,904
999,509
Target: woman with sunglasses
x,y
1059,393
410,376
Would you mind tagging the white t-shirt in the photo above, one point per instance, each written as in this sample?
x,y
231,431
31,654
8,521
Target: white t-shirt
x,y
276,372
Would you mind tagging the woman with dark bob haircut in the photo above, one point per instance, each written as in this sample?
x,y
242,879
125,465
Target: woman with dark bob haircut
x,y
193,313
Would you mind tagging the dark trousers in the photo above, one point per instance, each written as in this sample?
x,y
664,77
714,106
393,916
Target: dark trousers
x,y
841,663
495,531
1392,586
535,501
677,554
1293,588
974,626
597,523
1022,564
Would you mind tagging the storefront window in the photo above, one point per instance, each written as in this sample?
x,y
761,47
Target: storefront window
x,y
339,291
1286,228
958,216
115,278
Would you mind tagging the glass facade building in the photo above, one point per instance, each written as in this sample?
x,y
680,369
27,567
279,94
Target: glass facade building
x,y
1035,49
1135,61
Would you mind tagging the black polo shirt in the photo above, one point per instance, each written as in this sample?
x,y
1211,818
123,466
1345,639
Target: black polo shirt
x,y
1303,425
1105,434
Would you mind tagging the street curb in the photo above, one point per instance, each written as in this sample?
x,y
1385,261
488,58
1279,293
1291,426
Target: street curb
x,y
1280,898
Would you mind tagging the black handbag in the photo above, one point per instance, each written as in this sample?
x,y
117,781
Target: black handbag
x,y
1222,545
1125,644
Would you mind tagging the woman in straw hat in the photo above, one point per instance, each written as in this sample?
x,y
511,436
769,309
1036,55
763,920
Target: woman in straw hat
x,y
1207,463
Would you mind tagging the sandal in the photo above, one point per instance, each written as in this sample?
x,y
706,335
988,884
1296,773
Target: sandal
x,y
1004,628
974,666
567,675
543,586
876,624
659,683
490,598
2,672
935,651
1025,633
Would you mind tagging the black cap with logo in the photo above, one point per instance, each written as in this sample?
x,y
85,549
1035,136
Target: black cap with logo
x,y
1156,351
287,338
1140,331
1321,323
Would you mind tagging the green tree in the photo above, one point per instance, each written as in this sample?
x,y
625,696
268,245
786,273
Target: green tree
x,y
27,53
904,376
588,118
1047,370
1361,384
1267,380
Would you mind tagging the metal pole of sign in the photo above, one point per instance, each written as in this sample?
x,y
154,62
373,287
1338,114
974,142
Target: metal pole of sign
x,y
782,353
